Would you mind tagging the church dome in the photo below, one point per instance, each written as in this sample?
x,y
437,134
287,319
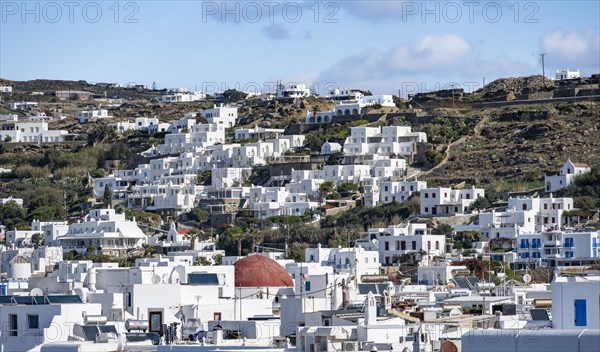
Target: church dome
x,y
260,271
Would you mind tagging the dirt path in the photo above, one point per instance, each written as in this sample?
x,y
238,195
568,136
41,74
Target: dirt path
x,y
476,132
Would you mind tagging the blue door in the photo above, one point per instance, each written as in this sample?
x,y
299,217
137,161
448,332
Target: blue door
x,y
580,312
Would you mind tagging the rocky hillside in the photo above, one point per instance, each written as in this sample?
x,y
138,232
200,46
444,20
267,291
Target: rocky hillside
x,y
521,143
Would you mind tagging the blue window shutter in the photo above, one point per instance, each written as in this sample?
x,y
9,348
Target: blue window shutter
x,y
307,286
580,312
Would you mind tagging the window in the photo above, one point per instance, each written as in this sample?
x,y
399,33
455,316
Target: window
x,y
524,206
432,195
387,246
33,321
426,195
580,312
307,286
403,245
414,245
13,325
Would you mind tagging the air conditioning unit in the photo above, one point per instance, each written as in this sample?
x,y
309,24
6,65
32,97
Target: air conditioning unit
x,y
349,346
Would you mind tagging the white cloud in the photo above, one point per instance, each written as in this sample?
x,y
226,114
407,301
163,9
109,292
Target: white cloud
x,y
430,63
429,54
574,50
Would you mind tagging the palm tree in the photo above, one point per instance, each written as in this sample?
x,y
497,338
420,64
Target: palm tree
x,y
236,234
147,250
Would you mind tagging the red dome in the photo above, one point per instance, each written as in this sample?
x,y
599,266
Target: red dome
x,y
260,271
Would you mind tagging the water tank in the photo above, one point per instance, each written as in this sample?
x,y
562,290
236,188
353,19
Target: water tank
x,y
136,325
95,319
18,269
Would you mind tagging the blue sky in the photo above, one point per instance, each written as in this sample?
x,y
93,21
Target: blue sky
x,y
383,46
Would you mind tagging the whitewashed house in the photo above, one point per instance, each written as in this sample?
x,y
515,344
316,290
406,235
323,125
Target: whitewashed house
x,y
356,260
23,105
292,90
568,172
329,148
447,202
399,191
558,248
387,140
182,97
525,215
106,231
31,132
567,74
224,115
92,115
402,239
6,90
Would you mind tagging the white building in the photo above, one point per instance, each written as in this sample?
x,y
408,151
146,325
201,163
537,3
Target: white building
x,y
49,230
398,191
329,148
567,74
92,115
266,202
356,261
106,231
568,172
351,107
293,90
224,115
575,302
558,248
183,97
524,215
395,241
31,132
6,90
29,321
9,117
387,140
23,105
336,95
18,201
447,202
259,133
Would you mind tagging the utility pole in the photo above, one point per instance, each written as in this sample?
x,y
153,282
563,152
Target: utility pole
x,y
543,65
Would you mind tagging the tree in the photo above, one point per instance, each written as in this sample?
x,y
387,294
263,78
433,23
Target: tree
x,y
147,250
37,240
335,158
480,203
199,215
347,187
235,234
234,95
107,196
202,261
325,188
443,229
8,139
218,258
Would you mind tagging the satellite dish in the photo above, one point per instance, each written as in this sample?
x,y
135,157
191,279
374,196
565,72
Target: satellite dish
x,y
455,312
526,278
155,279
36,292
